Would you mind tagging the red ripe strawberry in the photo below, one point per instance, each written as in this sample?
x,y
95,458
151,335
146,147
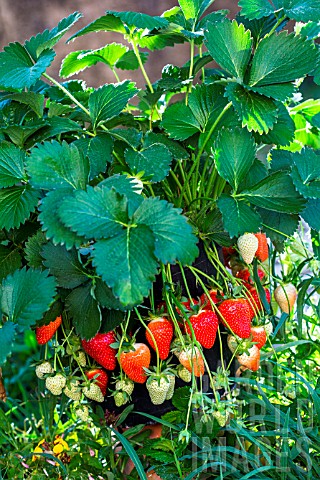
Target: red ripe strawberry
x,y
46,332
99,349
101,378
259,336
250,360
245,275
205,302
254,301
133,362
262,252
236,314
205,326
162,330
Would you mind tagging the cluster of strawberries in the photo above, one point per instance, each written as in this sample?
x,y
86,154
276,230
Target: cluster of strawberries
x,y
196,324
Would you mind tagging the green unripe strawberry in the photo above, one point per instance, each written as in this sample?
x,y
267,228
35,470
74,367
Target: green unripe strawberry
x,y
172,382
80,357
82,412
93,392
184,374
158,388
120,398
126,386
72,390
56,384
43,369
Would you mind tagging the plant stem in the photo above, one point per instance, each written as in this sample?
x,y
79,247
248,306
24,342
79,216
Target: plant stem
x,y
144,73
116,75
153,339
64,90
274,28
190,70
226,108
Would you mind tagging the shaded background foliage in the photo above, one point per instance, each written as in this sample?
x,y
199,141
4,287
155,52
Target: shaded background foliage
x,y
20,19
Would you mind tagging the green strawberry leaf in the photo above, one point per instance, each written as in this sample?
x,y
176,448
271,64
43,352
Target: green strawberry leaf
x,y
140,20
154,161
306,173
278,192
311,213
84,310
282,58
33,248
193,10
64,264
237,216
54,165
129,61
282,132
105,297
126,263
52,127
51,223
278,226
98,149
48,39
27,295
126,186
97,213
10,260
255,8
34,100
107,23
108,101
115,55
187,126
230,45
300,10
177,151
16,205
256,112
174,237
234,155
7,337
278,91
18,70
12,168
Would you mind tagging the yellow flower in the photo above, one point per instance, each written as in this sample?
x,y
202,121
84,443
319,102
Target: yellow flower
x,y
37,450
58,448
60,441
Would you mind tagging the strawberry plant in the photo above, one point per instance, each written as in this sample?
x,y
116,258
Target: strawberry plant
x,y
115,203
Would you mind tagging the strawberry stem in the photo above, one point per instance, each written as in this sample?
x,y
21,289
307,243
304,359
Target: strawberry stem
x,y
153,339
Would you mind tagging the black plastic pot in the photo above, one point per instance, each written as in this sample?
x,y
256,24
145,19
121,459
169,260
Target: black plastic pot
x,y
140,396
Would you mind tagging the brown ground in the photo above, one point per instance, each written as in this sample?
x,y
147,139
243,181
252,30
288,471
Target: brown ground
x,y
21,19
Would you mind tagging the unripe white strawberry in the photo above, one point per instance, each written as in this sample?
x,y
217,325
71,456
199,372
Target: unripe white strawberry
x,y
158,388
268,328
93,392
285,296
184,374
248,245
290,391
72,390
120,398
43,369
172,382
126,386
81,358
82,413
221,417
232,343
56,384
